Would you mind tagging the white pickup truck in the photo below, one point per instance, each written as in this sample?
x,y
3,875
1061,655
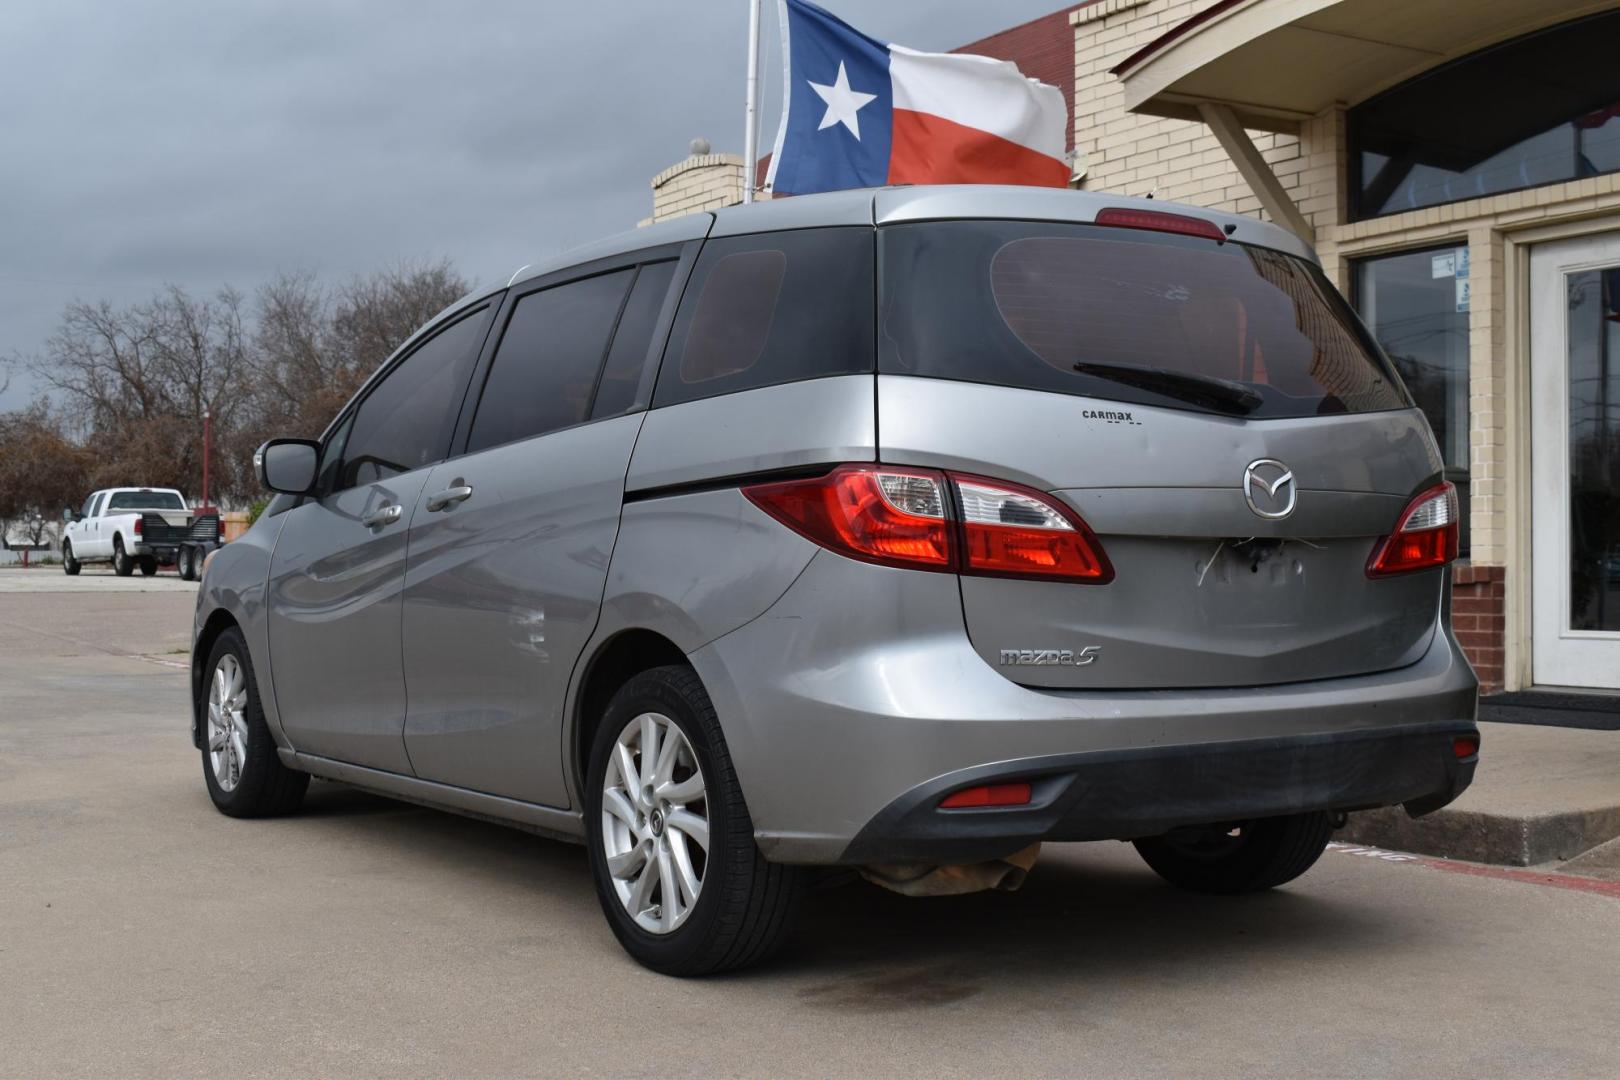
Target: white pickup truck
x,y
144,527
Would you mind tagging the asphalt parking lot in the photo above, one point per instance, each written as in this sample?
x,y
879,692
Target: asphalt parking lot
x,y
143,934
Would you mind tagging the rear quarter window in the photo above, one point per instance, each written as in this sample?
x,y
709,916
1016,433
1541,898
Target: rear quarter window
x,y
773,308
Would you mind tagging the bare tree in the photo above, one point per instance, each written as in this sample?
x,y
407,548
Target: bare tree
x,y
134,383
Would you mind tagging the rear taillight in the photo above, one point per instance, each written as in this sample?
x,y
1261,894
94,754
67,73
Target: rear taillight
x,y
1015,793
137,526
1014,531
894,516
926,520
1424,537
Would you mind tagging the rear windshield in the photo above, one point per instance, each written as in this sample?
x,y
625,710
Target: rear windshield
x,y
145,500
1126,315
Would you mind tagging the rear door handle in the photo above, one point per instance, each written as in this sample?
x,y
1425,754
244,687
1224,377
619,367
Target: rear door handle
x,y
449,497
386,516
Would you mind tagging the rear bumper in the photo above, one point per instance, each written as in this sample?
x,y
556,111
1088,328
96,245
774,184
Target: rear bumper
x,y
858,699
1124,794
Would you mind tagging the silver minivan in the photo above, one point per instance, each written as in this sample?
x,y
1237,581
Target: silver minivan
x,y
900,530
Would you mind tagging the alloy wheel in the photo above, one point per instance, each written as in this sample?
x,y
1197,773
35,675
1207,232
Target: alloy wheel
x,y
655,823
227,723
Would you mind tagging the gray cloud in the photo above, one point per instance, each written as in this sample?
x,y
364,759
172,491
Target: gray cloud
x,y
204,143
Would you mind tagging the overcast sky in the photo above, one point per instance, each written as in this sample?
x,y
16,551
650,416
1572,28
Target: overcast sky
x,y
204,143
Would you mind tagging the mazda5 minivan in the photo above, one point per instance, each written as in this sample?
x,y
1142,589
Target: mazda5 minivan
x,y
899,530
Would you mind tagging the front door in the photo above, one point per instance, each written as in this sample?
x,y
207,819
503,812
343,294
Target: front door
x,y
1575,461
339,562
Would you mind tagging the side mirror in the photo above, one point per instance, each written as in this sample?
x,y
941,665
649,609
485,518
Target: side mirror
x,y
68,515
288,465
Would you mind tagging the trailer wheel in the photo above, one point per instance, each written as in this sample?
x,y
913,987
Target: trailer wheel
x,y
148,566
188,563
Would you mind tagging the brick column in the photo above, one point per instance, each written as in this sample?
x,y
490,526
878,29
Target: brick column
x,y
1477,599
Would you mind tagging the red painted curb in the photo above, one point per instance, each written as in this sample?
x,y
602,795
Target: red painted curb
x,y
1533,877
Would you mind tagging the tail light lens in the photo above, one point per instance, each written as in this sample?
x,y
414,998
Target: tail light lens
x,y
895,517
1014,531
137,526
906,518
1424,537
1126,217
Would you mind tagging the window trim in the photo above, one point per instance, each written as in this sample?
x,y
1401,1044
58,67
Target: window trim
x,y
682,253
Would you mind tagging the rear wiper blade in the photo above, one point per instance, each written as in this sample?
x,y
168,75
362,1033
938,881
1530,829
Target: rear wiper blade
x,y
1220,394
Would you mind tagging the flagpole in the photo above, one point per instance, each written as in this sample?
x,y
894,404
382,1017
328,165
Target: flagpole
x,y
751,131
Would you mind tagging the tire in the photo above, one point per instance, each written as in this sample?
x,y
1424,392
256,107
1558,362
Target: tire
x,y
252,782
70,565
182,563
744,905
123,565
1246,857
148,565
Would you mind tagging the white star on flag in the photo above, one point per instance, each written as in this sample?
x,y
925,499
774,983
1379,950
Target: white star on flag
x,y
842,103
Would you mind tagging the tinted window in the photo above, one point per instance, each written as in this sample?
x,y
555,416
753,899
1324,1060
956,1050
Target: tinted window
x,y
90,506
332,456
145,500
627,360
406,420
1125,315
546,365
1537,110
773,308
1416,305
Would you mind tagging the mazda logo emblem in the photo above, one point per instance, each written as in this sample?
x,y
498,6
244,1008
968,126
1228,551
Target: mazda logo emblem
x,y
1269,488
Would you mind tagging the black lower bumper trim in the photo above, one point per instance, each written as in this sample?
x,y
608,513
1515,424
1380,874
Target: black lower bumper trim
x,y
1126,794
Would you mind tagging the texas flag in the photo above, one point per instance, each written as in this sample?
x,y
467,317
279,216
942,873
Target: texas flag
x,y
862,113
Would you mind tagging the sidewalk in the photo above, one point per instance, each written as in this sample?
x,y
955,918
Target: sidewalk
x,y
1541,794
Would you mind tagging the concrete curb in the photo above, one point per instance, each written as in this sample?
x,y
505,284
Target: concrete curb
x,y
1498,839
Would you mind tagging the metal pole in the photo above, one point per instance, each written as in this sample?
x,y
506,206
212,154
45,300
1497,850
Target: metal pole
x,y
208,445
750,132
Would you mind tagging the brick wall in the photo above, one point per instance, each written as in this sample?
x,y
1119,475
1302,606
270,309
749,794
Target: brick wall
x,y
1142,155
1478,599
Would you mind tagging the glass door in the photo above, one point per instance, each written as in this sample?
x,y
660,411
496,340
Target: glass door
x,y
1575,461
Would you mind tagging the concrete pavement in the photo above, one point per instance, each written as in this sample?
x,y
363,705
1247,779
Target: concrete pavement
x,y
143,934
98,580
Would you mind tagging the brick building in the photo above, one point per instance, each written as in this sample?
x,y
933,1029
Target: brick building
x,y
1457,168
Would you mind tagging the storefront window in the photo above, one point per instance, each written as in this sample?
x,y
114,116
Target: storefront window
x,y
1416,304
1540,109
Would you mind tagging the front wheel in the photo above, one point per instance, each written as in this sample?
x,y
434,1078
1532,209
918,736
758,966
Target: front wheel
x,y
70,565
123,565
244,775
1239,857
672,850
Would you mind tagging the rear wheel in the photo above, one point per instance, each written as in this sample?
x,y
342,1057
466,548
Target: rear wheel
x,y
182,564
671,844
70,565
123,565
1241,857
244,775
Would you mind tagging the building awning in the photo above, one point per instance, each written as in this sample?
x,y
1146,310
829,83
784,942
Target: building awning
x,y
1274,63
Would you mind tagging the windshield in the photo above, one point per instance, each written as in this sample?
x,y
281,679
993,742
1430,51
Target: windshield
x,y
1126,315
146,500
